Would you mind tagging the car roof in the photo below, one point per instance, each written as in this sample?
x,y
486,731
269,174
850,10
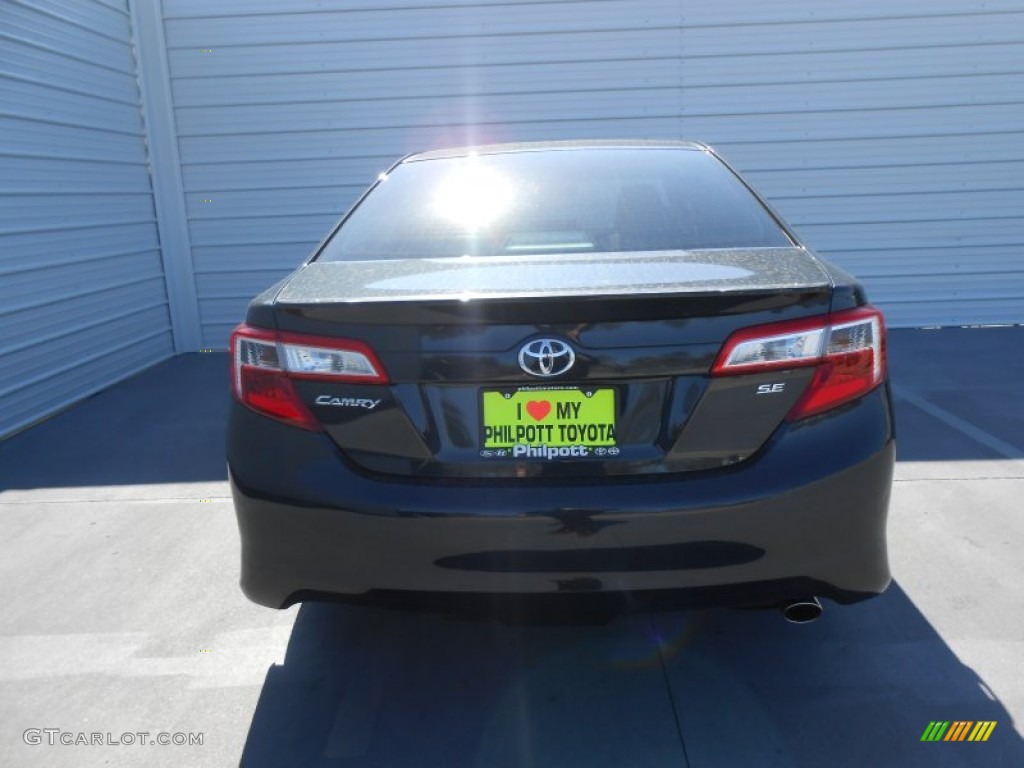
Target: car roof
x,y
538,146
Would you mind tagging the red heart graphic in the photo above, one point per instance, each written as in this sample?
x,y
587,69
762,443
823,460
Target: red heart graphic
x,y
538,409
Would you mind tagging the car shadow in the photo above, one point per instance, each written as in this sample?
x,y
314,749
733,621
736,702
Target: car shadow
x,y
376,687
856,688
373,687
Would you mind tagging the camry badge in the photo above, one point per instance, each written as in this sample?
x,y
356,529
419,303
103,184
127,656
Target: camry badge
x,y
546,357
348,402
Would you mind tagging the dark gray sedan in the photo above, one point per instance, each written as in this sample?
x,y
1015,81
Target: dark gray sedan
x,y
562,373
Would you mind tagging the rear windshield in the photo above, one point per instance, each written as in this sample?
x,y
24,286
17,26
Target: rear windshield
x,y
549,202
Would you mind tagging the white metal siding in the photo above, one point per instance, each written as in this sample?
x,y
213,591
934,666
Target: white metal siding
x,y
80,264
890,133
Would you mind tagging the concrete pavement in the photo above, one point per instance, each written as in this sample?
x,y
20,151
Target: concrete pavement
x,y
118,573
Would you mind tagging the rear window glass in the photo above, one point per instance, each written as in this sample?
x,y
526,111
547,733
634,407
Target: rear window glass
x,y
549,202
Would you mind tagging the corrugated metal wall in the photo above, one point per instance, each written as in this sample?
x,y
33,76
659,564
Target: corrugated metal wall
x,y
890,133
80,265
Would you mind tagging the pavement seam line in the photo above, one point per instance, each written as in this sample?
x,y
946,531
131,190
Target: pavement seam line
x,y
668,690
961,425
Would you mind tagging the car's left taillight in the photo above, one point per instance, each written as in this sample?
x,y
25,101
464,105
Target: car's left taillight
x,y
846,348
264,363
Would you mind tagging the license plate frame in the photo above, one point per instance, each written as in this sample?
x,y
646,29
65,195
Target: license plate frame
x,y
548,422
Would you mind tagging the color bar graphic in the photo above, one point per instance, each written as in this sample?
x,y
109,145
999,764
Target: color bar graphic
x,y
958,730
982,730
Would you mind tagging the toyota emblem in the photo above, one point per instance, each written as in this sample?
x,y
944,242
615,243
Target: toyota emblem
x,y
546,357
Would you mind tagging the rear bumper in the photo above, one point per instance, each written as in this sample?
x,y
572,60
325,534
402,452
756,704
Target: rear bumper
x,y
807,513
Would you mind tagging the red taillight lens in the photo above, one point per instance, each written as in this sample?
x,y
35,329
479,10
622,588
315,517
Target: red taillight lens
x,y
271,393
847,348
265,362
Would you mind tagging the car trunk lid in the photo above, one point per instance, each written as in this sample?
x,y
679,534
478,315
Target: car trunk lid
x,y
644,330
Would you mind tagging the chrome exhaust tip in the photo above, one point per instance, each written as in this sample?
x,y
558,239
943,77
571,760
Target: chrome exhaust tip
x,y
802,611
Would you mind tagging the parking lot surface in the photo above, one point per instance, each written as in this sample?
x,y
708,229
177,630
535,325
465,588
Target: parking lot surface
x,y
122,614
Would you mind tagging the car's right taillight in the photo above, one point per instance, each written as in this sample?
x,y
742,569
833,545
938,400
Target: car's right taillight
x,y
264,363
846,348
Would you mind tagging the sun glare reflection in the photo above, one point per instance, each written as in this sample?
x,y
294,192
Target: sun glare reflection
x,y
473,197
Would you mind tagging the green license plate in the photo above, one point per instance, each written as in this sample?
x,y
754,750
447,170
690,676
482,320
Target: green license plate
x,y
534,422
